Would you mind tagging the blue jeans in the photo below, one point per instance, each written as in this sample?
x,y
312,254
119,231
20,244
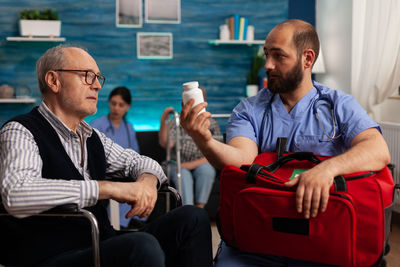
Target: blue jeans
x,y
196,184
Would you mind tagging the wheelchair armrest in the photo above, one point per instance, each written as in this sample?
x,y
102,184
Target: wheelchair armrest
x,y
167,189
63,209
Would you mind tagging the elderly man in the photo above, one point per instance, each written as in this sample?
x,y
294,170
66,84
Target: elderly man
x,y
287,109
51,157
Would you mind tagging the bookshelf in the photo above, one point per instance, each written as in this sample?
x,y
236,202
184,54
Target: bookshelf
x,y
18,100
236,42
35,39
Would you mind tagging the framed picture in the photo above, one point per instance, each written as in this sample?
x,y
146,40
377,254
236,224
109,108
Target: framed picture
x,y
128,13
163,11
154,45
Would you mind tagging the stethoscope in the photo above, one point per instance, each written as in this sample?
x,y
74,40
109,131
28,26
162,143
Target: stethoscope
x,y
321,97
325,97
110,129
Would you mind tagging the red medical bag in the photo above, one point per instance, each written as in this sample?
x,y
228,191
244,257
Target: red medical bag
x,y
258,214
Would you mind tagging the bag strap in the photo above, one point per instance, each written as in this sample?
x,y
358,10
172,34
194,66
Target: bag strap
x,y
340,184
252,173
281,143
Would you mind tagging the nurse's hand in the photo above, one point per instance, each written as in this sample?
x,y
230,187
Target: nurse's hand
x,y
312,191
195,124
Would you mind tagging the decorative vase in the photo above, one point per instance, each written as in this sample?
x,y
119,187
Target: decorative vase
x,y
6,91
40,27
251,90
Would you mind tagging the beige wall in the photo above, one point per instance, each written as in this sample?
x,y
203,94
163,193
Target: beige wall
x,y
334,26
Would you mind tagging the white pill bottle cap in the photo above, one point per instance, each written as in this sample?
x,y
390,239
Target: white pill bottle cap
x,y
190,85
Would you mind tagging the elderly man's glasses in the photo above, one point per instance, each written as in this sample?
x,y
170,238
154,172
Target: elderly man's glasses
x,y
90,76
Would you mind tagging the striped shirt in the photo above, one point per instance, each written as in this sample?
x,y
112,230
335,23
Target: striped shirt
x,y
25,192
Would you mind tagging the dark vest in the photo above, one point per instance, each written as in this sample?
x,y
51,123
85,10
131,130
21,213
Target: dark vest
x,y
33,239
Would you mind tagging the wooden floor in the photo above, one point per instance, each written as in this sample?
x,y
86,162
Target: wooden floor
x,y
393,258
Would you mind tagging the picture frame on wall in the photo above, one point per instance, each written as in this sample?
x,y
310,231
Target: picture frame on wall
x,y
154,45
128,13
163,11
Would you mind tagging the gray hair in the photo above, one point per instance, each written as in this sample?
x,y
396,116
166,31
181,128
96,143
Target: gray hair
x,y
51,60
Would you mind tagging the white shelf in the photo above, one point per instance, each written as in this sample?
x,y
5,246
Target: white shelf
x,y
17,100
236,42
35,39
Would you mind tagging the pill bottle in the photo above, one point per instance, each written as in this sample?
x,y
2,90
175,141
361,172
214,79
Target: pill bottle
x,y
192,90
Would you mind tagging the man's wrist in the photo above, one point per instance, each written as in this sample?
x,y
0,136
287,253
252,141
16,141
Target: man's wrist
x,y
329,168
105,189
149,179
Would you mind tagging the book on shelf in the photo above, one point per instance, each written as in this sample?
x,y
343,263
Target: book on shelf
x,y
243,28
237,27
231,25
246,23
236,19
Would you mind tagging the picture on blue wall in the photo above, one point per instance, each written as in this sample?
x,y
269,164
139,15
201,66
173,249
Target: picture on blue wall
x,y
128,13
163,11
154,45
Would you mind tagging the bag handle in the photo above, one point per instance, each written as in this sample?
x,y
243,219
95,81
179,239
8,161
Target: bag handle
x,y
339,181
256,168
299,156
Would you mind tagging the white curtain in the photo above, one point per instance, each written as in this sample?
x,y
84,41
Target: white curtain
x,y
375,51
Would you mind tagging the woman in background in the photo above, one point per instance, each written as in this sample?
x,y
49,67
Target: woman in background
x,y
197,175
115,126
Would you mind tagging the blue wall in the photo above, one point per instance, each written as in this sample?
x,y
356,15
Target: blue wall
x,y
155,84
304,9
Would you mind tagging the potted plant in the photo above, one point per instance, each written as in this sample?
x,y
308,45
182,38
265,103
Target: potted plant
x,y
252,76
39,23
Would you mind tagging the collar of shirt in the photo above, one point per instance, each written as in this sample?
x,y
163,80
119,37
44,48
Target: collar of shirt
x,y
299,109
61,129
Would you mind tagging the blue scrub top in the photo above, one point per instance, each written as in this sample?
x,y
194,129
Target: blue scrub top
x,y
125,136
300,126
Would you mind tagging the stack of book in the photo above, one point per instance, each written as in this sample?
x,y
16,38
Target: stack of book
x,y
237,27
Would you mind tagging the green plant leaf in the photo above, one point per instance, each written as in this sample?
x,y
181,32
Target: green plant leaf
x,y
34,14
257,63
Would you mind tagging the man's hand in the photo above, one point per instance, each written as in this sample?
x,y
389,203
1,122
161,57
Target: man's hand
x,y
141,195
197,126
368,152
312,191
